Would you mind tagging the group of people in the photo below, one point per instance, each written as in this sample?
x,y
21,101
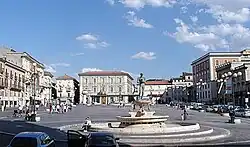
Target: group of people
x,y
59,108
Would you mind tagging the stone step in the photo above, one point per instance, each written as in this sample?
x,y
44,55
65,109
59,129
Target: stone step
x,y
218,133
203,130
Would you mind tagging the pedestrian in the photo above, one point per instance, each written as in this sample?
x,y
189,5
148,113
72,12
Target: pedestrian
x,y
182,117
50,108
87,124
185,114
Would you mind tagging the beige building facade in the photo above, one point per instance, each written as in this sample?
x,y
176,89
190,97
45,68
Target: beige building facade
x,y
205,76
32,78
105,87
67,89
11,84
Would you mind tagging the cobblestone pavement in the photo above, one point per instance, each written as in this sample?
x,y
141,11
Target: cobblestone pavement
x,y
240,132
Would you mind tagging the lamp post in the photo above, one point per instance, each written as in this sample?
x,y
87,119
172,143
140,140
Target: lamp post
x,y
222,81
231,76
200,84
34,75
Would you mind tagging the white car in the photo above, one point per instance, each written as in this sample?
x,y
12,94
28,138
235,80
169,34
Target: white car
x,y
241,112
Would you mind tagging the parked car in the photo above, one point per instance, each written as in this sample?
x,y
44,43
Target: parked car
x,y
101,139
209,108
241,112
32,139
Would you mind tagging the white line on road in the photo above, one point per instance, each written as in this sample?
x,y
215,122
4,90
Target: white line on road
x,y
3,117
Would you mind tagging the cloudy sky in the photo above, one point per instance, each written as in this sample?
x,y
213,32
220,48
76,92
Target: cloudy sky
x,y
157,37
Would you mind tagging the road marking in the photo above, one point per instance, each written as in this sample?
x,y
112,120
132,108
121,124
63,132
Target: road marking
x,y
3,117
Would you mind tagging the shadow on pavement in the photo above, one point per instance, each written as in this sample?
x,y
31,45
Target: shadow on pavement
x,y
9,129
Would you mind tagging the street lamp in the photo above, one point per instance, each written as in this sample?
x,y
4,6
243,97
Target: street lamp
x,y
232,75
34,75
200,84
222,81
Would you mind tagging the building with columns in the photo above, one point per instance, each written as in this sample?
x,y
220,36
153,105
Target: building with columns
x,y
105,87
67,89
239,84
204,74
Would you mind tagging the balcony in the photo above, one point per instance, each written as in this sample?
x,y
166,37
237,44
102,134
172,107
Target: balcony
x,y
16,87
2,84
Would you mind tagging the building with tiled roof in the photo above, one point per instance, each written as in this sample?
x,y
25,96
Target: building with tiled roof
x,y
157,82
105,87
105,73
156,88
67,89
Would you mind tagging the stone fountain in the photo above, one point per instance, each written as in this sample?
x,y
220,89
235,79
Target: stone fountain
x,y
144,127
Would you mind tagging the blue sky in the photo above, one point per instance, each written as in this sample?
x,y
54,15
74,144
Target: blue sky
x,y
157,37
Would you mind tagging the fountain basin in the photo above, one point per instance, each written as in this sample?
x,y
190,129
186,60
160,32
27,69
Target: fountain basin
x,y
160,128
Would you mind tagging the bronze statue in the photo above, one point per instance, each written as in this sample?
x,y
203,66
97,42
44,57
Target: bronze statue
x,y
141,82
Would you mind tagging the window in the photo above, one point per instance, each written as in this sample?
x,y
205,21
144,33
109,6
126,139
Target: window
x,y
23,141
94,80
111,80
60,94
94,89
120,80
120,88
68,94
217,62
86,80
225,61
111,89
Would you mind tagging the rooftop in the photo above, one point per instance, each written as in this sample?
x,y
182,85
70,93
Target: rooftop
x,y
187,74
157,82
65,77
105,73
237,54
46,73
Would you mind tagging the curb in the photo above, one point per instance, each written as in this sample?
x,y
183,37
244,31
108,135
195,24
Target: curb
x,y
183,141
173,135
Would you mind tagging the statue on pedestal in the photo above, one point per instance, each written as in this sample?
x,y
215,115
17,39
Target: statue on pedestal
x,y
141,82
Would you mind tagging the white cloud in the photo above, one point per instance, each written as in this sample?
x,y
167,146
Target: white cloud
x,y
90,69
92,41
194,19
144,55
111,2
90,45
203,40
138,4
227,10
218,36
77,54
49,68
133,20
87,37
103,44
60,64
184,9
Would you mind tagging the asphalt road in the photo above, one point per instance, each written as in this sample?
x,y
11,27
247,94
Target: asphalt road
x,y
49,122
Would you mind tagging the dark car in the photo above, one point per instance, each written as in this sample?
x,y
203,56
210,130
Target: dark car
x,y
32,139
101,139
